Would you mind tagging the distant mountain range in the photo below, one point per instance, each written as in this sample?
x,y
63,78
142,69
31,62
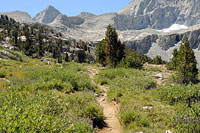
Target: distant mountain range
x,y
152,27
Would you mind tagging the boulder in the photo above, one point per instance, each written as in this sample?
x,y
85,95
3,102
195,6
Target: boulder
x,y
159,76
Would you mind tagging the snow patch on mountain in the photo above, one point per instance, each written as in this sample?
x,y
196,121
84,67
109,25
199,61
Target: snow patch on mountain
x,y
175,27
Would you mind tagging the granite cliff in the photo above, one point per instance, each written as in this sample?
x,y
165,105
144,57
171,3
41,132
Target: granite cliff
x,y
152,27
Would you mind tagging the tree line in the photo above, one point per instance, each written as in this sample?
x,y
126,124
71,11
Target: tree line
x,y
38,41
111,52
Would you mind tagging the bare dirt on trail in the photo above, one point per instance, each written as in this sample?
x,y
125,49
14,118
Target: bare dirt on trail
x,y
110,109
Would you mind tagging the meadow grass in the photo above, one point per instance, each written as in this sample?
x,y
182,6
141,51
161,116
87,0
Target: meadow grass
x,y
36,97
140,109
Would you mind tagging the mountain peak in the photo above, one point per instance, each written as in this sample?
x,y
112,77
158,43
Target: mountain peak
x,y
22,17
86,15
159,14
50,7
47,16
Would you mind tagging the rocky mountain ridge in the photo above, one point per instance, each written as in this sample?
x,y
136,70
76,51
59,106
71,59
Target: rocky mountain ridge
x,y
20,16
47,16
152,27
159,14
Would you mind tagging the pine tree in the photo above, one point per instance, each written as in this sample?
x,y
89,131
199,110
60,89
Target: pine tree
x,y
66,57
173,64
100,52
59,57
187,68
113,48
80,56
158,60
55,52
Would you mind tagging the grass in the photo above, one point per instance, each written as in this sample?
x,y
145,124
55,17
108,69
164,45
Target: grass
x,y
153,69
2,74
36,97
185,100
135,90
147,107
51,111
122,81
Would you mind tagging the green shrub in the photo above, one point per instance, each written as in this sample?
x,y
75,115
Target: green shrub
x,y
187,119
144,123
153,69
103,81
93,111
40,111
2,74
127,116
133,59
124,81
135,89
185,94
71,77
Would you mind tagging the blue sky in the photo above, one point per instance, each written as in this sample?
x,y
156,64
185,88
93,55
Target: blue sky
x,y
68,7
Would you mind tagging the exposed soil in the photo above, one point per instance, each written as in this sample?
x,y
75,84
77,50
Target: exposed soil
x,y
110,109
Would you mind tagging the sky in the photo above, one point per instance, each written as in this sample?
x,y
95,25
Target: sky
x,y
68,7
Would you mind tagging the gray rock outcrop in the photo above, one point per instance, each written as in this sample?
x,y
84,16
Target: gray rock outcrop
x,y
86,15
47,16
61,22
159,14
19,16
76,20
143,25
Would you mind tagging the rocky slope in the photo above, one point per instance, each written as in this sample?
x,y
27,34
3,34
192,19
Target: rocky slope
x,y
86,15
160,14
47,16
61,22
152,27
19,16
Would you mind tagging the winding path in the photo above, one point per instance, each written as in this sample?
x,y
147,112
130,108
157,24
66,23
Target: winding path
x,y
110,109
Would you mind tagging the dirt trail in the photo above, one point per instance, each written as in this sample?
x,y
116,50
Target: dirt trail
x,y
110,109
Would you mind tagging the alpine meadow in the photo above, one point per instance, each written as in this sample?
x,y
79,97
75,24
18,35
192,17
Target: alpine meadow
x,y
135,70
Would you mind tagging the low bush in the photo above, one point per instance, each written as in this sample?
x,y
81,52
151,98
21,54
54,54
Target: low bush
x,y
71,77
127,116
153,69
40,111
185,99
122,81
184,94
47,98
2,73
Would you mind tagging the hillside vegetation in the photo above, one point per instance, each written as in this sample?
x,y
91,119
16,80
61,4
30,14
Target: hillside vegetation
x,y
39,41
36,97
39,92
146,106
149,101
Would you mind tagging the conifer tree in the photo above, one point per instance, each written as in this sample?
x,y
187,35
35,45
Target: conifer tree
x,y
100,52
173,64
113,48
59,59
66,57
175,60
80,56
158,60
187,68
